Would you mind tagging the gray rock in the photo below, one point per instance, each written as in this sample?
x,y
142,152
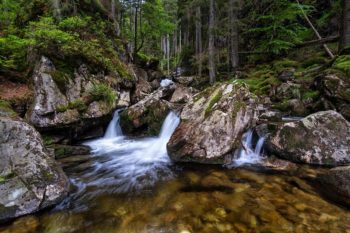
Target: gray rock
x,y
322,138
30,179
124,99
48,98
212,124
184,80
147,116
336,184
337,90
181,94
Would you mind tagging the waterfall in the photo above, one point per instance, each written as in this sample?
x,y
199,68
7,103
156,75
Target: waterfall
x,y
247,154
123,164
114,129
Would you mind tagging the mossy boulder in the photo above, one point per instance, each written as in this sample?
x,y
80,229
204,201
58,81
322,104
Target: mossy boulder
x,y
30,179
336,89
85,102
322,138
212,124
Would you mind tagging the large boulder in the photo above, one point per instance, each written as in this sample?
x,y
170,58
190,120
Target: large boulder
x,y
336,89
146,117
30,179
64,104
336,184
322,138
212,124
48,98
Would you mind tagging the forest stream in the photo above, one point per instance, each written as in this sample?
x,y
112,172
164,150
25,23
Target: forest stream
x,y
130,185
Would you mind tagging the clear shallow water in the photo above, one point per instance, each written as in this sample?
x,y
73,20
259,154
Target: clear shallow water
x,y
130,185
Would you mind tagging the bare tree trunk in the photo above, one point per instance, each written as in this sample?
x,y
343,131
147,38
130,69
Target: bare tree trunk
x,y
329,52
135,32
115,21
345,27
234,39
168,52
211,46
199,40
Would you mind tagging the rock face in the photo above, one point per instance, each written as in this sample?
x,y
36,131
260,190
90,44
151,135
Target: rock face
x,y
336,184
322,138
212,124
147,116
181,94
65,105
336,89
48,98
30,179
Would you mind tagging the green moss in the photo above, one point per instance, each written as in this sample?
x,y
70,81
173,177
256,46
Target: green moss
x,y
6,109
212,102
318,60
61,79
280,65
282,106
7,177
311,95
342,63
48,140
102,92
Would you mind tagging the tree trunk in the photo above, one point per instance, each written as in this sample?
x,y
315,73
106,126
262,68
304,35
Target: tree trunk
x,y
345,27
199,40
168,52
234,39
211,46
115,21
135,32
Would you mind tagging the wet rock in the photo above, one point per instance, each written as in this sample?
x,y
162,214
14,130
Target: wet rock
x,y
62,151
337,90
212,124
124,99
184,80
30,179
287,75
181,94
142,86
322,138
147,116
336,184
288,90
274,116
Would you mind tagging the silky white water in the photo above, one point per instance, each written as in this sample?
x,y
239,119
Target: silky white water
x,y
119,164
247,154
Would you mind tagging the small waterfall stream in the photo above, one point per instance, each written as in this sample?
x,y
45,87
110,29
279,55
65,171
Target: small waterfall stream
x,y
113,129
247,154
119,164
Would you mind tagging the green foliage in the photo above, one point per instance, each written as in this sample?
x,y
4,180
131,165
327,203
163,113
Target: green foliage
x,y
274,27
74,23
12,53
342,63
212,102
311,95
78,104
102,92
6,109
61,79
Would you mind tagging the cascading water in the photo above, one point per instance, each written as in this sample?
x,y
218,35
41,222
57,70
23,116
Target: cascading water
x,y
247,154
113,129
120,165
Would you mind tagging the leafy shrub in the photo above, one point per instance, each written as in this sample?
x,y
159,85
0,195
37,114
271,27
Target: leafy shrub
x,y
102,92
12,52
342,63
